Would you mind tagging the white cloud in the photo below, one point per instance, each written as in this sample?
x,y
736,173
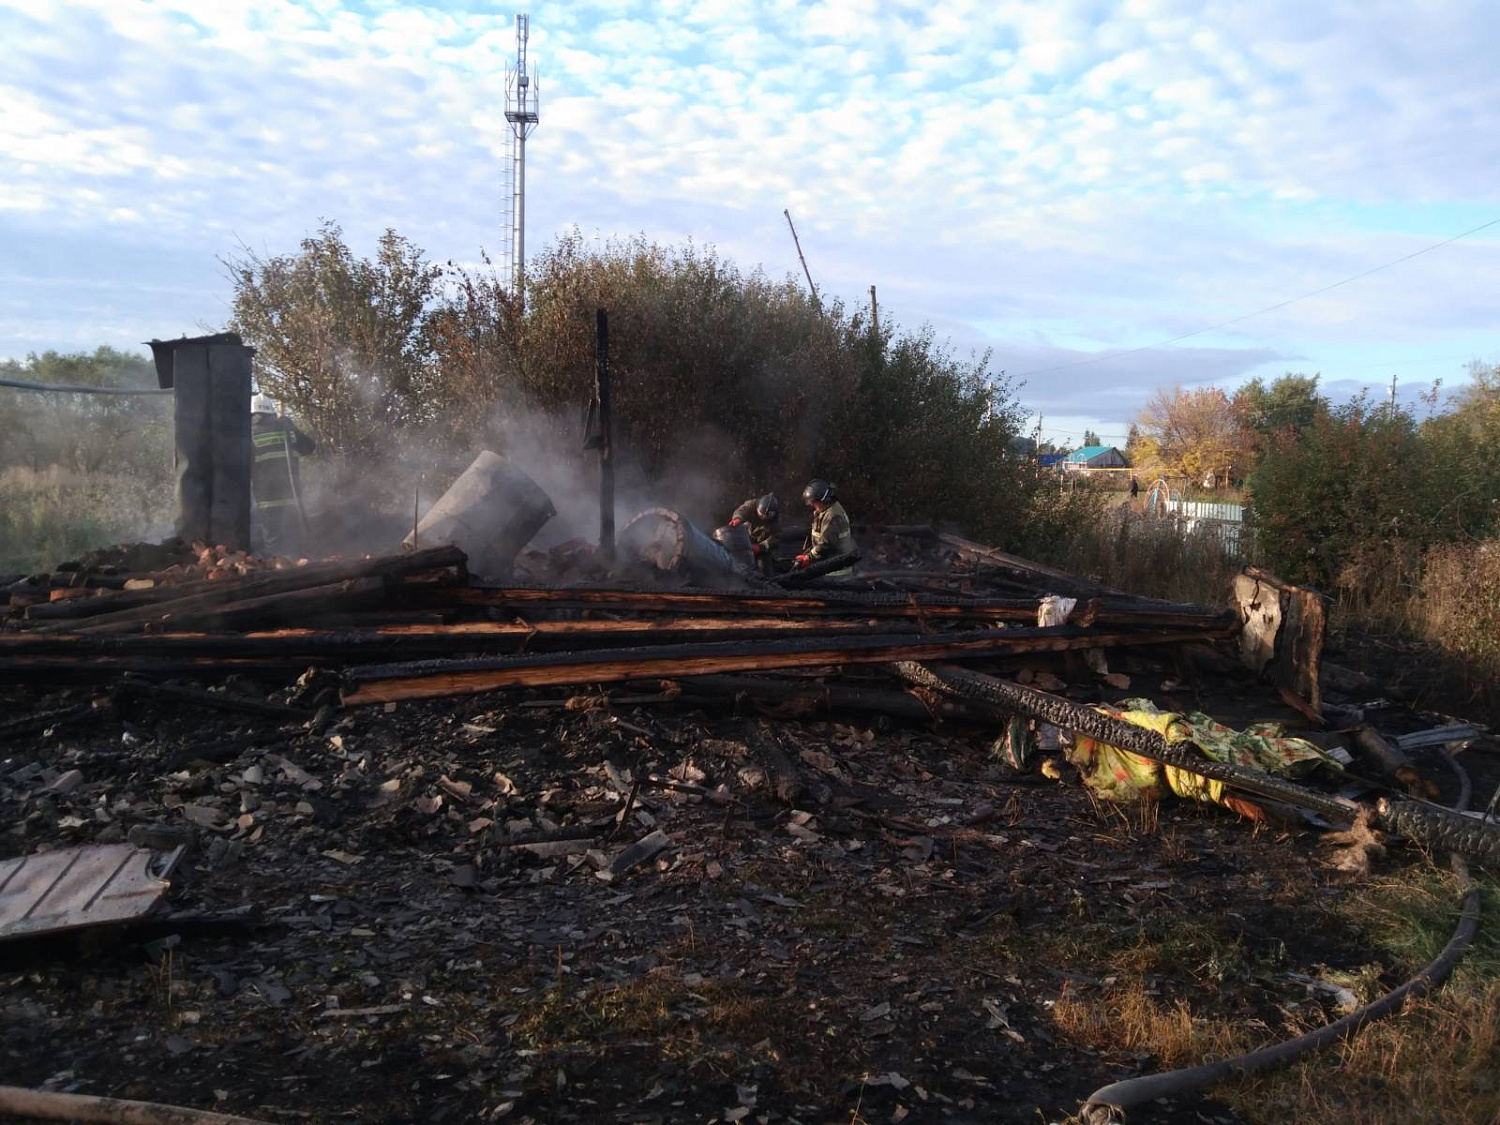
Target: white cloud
x,y
1052,168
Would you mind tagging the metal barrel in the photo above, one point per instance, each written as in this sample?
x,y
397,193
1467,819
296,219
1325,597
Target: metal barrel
x,y
670,543
490,512
736,540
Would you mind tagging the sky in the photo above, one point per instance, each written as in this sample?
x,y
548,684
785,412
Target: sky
x,y
1053,183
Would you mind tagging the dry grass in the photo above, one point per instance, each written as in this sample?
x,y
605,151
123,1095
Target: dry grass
x,y
1129,1016
53,515
1436,1062
1155,558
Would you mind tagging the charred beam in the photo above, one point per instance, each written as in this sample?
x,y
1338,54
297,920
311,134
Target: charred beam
x,y
411,641
817,570
383,683
210,700
210,611
1108,611
140,605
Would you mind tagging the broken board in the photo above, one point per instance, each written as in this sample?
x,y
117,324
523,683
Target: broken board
x,y
93,885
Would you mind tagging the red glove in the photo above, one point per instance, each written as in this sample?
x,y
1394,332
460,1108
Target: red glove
x,y
736,522
803,560
757,548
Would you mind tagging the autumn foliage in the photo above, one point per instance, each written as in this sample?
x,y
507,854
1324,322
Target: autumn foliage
x,y
718,375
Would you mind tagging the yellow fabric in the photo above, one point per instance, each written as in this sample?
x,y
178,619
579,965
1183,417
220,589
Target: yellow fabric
x,y
1119,775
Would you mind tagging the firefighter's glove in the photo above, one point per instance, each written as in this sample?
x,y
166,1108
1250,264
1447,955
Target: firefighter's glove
x,y
736,522
757,548
803,561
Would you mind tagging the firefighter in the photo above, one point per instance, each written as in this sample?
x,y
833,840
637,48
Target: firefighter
x,y
761,517
831,534
275,478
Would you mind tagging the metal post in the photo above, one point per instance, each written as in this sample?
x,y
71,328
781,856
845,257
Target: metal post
x,y
874,312
606,438
520,282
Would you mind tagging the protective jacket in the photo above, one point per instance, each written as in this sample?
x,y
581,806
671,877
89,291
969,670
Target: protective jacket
x,y
831,535
276,481
761,530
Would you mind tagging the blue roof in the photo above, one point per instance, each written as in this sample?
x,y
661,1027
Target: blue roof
x,y
1088,453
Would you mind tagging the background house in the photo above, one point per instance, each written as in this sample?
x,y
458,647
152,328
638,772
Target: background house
x,y
1095,457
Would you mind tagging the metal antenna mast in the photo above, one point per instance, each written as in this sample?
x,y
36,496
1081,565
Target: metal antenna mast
x,y
521,111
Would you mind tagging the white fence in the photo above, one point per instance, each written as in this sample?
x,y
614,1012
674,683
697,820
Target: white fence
x,y
1224,522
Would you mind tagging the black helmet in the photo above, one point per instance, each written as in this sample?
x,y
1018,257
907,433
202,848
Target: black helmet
x,y
768,507
817,492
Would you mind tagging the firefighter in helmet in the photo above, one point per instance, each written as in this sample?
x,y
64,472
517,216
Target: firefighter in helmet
x,y
761,517
276,479
831,534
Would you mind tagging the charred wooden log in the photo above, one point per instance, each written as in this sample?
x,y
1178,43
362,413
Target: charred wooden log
x,y
1284,630
367,644
209,611
532,599
1095,724
817,570
140,605
211,700
385,683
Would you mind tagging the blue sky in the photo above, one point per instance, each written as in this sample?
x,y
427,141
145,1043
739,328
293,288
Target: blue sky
x,y
1052,181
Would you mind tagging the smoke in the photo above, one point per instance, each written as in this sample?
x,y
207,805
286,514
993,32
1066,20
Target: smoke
x,y
365,504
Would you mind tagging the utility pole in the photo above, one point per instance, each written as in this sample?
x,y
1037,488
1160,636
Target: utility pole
x,y
522,112
817,304
1393,397
874,313
606,437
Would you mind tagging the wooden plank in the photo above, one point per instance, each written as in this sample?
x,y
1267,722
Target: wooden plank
x,y
195,614
380,684
138,605
367,644
530,600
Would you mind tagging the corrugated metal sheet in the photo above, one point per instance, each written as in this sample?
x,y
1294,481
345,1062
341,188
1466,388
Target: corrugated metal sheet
x,y
86,886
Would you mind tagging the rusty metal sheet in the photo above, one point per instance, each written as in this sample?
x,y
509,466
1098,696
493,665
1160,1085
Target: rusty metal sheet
x,y
93,885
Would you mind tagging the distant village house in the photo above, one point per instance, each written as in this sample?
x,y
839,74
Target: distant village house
x,y
1095,457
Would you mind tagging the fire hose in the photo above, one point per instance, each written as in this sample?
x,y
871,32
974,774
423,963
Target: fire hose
x,y
1428,824
816,570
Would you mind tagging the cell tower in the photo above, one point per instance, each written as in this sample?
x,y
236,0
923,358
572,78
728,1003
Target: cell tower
x,y
521,113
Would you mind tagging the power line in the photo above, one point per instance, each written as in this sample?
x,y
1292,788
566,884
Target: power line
x,y
78,389
1260,312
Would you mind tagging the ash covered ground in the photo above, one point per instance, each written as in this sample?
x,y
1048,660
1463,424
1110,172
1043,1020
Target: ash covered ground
x,y
362,933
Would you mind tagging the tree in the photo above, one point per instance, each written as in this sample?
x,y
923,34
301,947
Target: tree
x,y
1091,438
85,433
1193,434
724,383
1288,406
342,339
